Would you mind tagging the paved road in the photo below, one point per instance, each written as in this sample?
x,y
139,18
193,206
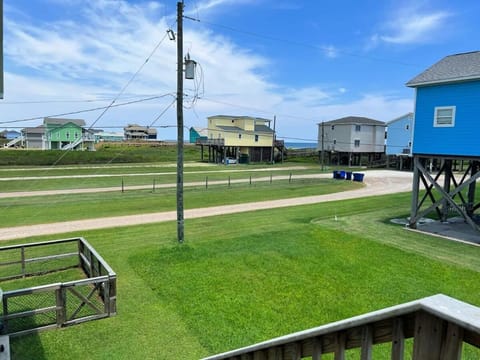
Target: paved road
x,y
379,182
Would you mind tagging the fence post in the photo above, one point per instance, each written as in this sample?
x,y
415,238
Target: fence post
x,y
250,179
290,178
206,182
153,190
4,329
228,181
61,302
22,254
122,186
271,178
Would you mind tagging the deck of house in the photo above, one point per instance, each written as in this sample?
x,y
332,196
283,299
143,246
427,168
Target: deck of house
x,y
439,326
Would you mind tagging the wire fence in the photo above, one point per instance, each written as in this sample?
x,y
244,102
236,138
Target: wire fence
x,y
56,304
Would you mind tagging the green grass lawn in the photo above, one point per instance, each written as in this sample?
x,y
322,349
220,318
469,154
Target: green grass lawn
x,y
248,277
41,178
54,208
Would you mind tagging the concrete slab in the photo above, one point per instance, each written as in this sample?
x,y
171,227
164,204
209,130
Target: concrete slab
x,y
454,229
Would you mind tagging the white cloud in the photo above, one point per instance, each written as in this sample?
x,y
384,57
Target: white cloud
x,y
93,56
416,28
411,24
330,51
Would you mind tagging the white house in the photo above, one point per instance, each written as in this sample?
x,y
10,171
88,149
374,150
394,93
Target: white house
x,y
347,139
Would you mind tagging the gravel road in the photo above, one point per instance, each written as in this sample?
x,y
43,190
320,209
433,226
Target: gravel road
x,y
378,182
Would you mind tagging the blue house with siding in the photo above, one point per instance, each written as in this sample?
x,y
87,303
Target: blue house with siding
x,y
399,136
446,126
447,104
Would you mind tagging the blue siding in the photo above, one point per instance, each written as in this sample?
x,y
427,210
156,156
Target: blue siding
x,y
460,140
399,135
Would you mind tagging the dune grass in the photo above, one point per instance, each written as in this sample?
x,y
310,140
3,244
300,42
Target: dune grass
x,y
245,278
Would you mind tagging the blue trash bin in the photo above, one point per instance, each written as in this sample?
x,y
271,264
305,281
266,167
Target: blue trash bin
x,y
335,174
342,174
358,177
348,175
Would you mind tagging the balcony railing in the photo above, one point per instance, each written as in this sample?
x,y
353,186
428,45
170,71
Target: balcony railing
x,y
211,142
439,326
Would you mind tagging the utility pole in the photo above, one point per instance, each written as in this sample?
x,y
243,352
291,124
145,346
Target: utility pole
x,y
180,218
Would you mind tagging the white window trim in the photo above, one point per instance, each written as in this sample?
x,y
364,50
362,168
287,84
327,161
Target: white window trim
x,y
453,108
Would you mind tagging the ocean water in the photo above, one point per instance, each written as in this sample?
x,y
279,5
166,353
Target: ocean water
x,y
300,145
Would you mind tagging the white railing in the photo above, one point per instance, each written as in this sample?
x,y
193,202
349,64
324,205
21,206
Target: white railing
x,y
14,142
439,326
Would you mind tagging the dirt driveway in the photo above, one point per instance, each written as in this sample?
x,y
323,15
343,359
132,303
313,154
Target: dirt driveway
x,y
378,182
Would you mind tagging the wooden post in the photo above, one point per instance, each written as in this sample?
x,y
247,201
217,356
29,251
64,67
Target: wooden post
x,y
447,180
452,346
367,341
5,314
427,342
317,349
61,303
415,190
22,254
471,189
180,213
340,346
398,339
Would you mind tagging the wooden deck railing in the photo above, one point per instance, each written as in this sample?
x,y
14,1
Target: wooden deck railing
x,y
439,326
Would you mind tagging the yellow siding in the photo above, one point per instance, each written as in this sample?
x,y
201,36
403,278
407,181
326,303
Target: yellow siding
x,y
242,133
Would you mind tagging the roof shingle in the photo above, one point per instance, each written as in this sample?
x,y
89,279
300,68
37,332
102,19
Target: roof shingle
x,y
453,68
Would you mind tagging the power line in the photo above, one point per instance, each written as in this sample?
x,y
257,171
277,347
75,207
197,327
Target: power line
x,y
87,110
306,45
131,79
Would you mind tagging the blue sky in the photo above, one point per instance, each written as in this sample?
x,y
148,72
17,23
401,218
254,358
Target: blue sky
x,y
301,61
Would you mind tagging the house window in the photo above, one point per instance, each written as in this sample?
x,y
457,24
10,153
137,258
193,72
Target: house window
x,y
333,127
67,135
76,135
358,127
334,141
256,138
356,143
444,116
239,136
409,144
407,127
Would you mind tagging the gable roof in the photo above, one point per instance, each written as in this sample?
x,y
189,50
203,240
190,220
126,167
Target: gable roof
x,y
354,120
40,129
263,128
59,121
241,117
200,131
407,115
453,68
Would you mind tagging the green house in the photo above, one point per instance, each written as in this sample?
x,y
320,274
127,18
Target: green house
x,y
67,134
